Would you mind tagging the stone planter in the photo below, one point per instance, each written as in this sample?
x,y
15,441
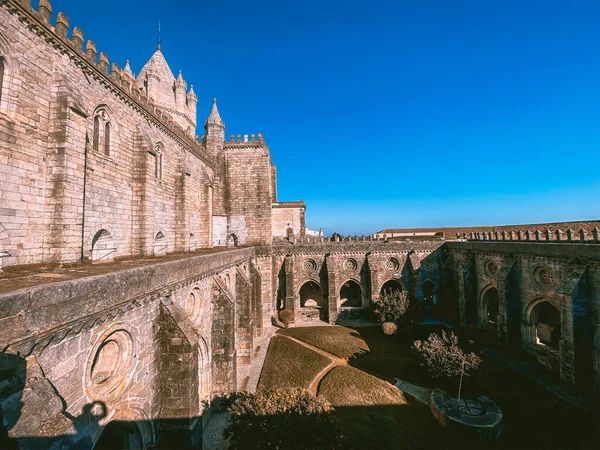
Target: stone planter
x,y
479,418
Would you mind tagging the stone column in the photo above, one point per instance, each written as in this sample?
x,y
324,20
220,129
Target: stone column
x,y
290,298
566,344
332,309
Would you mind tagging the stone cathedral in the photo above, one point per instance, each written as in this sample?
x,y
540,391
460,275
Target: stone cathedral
x,y
141,263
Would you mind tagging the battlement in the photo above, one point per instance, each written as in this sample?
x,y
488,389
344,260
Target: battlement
x,y
569,235
245,141
97,65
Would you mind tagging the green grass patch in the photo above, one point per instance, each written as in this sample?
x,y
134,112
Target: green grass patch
x,y
289,364
347,386
339,341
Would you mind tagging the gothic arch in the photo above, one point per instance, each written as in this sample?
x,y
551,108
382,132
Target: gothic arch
x,y
105,130
352,296
160,242
132,419
488,303
389,282
232,240
310,291
531,320
92,240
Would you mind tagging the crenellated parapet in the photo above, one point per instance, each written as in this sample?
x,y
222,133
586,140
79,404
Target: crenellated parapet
x,y
97,65
582,236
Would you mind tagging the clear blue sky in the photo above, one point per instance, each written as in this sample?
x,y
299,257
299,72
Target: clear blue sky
x,y
396,113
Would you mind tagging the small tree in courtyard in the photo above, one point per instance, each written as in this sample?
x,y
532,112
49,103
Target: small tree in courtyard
x,y
443,357
282,419
391,309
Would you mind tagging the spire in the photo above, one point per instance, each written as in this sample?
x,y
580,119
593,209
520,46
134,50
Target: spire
x,y
158,43
214,117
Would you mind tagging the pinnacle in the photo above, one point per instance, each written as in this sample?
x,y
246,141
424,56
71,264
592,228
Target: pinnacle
x,y
127,69
214,116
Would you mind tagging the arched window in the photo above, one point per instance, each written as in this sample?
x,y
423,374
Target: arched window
x,y
107,139
160,244
311,295
490,305
350,294
1,75
96,140
103,131
158,160
545,320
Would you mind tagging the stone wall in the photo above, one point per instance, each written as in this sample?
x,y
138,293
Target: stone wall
x,y
60,190
147,344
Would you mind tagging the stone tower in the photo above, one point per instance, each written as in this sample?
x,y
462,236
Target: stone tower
x,y
168,92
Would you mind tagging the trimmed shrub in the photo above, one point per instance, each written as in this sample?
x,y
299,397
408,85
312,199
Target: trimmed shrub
x,y
285,315
282,419
443,357
389,328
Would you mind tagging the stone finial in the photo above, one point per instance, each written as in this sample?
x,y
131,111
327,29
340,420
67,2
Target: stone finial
x,y
513,236
498,236
570,235
530,235
596,234
77,38
548,235
90,50
231,138
62,26
522,236
245,138
252,137
559,235
583,235
538,235
505,235
239,138
45,10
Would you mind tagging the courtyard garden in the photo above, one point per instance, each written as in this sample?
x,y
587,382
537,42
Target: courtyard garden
x,y
354,370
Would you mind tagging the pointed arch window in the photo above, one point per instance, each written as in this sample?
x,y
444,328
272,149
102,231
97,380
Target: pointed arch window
x,y
158,161
96,133
1,75
107,138
103,131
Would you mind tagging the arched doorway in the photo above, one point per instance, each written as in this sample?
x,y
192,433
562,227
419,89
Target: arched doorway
x,y
160,244
489,306
120,434
311,295
102,246
232,240
545,324
351,294
192,242
391,286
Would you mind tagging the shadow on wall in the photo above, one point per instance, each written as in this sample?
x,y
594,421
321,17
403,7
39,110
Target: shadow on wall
x,y
29,405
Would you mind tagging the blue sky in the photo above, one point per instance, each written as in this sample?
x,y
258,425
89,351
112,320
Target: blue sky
x,y
391,113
